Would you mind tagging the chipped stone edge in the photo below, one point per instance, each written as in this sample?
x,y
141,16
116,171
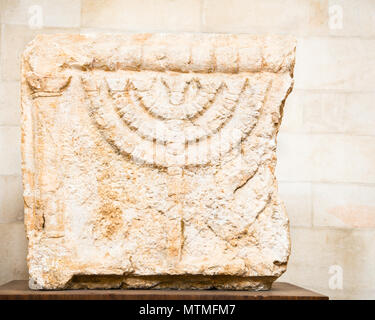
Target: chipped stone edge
x,y
203,53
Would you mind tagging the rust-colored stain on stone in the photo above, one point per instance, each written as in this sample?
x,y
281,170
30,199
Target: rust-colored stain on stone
x,y
109,220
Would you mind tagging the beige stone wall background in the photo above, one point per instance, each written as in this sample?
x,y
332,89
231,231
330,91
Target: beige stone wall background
x,y
326,164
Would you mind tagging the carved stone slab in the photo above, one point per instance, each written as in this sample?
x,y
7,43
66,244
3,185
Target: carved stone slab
x,y
148,160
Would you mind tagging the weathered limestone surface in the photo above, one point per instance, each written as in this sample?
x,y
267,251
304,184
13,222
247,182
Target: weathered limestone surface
x,y
148,160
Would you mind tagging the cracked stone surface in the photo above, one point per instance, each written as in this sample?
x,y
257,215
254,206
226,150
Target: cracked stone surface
x,y
148,160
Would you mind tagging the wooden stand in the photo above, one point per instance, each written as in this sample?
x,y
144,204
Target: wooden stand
x,y
19,290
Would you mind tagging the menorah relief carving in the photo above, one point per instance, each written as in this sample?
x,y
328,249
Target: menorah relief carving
x,y
148,160
175,120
